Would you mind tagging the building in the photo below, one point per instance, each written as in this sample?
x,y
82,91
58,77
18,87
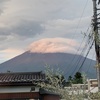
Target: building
x,y
22,86
92,85
48,95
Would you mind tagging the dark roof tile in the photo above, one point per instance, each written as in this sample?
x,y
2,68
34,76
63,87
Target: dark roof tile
x,y
21,77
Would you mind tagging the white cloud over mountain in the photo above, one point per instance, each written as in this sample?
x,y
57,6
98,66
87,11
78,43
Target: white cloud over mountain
x,y
50,45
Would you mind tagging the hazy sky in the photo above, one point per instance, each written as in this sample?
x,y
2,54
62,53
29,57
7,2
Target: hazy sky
x,y
55,25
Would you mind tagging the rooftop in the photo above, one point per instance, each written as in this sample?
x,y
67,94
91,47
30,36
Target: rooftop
x,y
21,78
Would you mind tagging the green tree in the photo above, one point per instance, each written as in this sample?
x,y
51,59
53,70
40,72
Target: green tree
x,y
78,79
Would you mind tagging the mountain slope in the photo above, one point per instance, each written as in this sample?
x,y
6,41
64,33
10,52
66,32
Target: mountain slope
x,y
31,62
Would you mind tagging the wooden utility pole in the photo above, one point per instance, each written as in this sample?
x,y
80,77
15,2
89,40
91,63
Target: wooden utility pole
x,y
96,24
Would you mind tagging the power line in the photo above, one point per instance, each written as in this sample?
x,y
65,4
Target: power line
x,y
76,30
71,61
90,64
86,56
80,57
78,60
81,15
82,61
80,19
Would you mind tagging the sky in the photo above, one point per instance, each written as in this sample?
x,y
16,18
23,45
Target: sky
x,y
42,26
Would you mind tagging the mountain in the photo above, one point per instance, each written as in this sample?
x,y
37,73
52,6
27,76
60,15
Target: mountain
x,y
67,63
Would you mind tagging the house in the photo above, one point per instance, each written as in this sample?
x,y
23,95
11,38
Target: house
x,y
22,86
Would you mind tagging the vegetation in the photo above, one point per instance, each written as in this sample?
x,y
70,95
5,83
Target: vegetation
x,y
55,83
78,79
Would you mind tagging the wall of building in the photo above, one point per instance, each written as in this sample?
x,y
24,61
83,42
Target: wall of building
x,y
49,97
17,89
19,96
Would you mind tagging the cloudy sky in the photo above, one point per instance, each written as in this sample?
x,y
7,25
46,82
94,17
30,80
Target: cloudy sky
x,y
55,25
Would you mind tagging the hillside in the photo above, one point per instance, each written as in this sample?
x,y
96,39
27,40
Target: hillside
x,y
31,62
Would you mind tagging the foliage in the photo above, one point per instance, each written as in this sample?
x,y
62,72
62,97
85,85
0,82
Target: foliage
x,y
95,96
78,79
54,83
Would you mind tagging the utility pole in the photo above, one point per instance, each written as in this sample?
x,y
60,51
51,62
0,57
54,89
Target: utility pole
x,y
96,26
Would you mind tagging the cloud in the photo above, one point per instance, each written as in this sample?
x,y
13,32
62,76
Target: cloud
x,y
66,28
25,21
10,53
43,10
28,28
54,45
26,16
24,29
2,5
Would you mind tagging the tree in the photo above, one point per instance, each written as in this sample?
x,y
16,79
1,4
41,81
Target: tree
x,y
78,78
54,84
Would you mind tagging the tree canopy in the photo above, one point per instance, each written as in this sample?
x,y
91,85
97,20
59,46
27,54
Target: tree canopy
x,y
77,79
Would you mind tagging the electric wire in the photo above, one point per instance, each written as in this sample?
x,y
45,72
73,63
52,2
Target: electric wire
x,y
86,56
78,26
82,53
84,49
80,19
79,56
68,66
81,16
82,61
90,64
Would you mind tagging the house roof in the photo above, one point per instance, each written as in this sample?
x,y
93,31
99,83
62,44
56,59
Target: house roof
x,y
21,78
